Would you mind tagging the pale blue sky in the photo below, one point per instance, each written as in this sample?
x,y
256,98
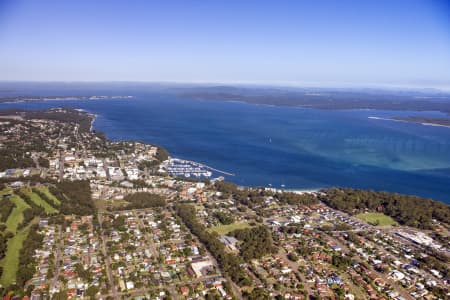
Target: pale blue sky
x,y
329,43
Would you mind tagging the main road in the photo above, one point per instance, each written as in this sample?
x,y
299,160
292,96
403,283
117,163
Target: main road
x,y
57,259
155,252
107,258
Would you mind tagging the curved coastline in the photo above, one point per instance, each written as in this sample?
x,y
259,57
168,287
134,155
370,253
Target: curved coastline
x,y
169,122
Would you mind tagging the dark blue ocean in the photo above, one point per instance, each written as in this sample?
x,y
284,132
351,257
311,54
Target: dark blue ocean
x,y
295,147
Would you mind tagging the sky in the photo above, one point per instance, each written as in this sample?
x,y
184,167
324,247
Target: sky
x,y
320,43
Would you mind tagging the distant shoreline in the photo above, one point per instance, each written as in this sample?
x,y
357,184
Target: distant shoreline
x,y
21,99
94,116
417,120
327,99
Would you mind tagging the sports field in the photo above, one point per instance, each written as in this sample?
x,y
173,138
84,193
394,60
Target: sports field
x,y
377,219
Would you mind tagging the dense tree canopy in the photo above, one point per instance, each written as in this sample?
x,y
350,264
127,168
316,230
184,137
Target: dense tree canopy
x,y
144,200
75,197
407,210
43,162
296,199
148,164
162,154
69,115
252,197
27,262
230,263
258,294
4,237
224,218
15,157
256,242
7,207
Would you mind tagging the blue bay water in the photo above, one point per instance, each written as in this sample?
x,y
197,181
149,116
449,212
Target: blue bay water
x,y
294,147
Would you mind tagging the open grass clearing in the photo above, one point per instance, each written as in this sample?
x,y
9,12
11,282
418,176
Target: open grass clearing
x,y
377,219
46,191
40,202
224,229
16,216
10,262
6,190
103,205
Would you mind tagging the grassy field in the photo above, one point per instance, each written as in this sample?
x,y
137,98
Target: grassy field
x,y
5,191
40,202
50,196
378,219
103,205
10,262
224,229
16,216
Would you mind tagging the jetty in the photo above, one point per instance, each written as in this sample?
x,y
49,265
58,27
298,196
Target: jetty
x,y
210,168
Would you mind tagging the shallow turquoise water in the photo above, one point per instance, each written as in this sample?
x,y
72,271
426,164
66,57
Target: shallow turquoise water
x,y
298,148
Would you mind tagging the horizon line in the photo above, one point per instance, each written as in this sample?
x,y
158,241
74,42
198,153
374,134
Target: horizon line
x,y
280,84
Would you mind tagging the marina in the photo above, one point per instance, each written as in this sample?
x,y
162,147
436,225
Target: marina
x,y
187,168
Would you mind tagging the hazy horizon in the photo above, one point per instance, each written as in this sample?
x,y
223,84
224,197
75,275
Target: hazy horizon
x,y
276,85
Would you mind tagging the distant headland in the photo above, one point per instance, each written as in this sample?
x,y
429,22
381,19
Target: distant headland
x,y
14,99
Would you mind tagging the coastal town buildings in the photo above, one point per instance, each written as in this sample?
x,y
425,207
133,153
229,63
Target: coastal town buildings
x,y
126,250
